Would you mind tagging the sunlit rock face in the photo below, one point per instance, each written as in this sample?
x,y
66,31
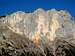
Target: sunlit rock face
x,y
41,26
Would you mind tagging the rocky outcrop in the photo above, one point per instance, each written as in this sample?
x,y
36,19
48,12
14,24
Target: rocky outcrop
x,y
51,32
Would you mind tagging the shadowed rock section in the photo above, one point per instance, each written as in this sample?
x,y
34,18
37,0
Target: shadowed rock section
x,y
41,33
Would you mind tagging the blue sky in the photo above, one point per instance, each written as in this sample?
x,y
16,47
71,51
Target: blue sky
x,y
10,6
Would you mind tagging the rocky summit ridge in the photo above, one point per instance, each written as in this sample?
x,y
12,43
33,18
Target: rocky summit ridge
x,y
40,27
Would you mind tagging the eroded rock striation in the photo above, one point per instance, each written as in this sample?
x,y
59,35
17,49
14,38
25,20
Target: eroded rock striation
x,y
52,32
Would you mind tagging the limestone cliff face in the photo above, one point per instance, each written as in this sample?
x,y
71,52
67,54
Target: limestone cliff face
x,y
41,26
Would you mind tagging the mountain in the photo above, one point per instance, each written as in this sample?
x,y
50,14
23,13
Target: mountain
x,y
52,32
